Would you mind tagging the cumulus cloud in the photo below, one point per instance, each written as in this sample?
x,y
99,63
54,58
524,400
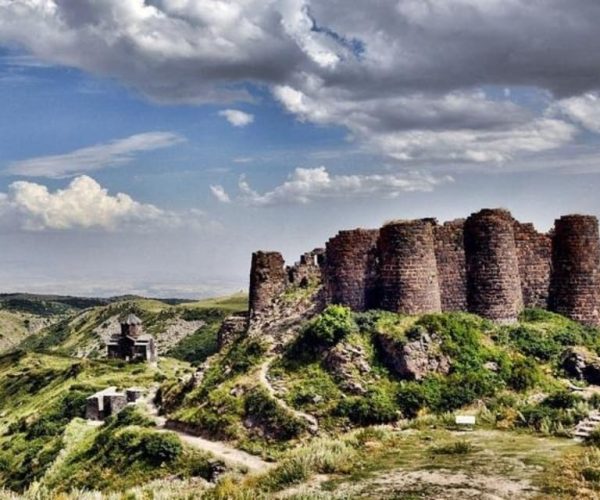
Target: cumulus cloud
x,y
83,204
220,194
389,71
95,157
236,117
305,185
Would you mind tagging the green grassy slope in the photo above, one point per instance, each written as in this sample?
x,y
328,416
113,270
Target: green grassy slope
x,y
186,331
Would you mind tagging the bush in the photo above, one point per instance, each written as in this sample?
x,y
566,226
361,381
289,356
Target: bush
x,y
562,400
376,407
161,448
457,448
278,422
333,324
524,374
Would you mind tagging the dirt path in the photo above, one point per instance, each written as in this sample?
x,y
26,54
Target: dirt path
x,y
264,380
223,451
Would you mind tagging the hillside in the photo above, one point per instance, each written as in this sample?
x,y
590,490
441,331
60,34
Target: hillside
x,y
184,330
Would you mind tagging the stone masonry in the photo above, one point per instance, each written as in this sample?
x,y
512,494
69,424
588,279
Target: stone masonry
x,y
408,270
350,273
534,252
575,283
267,280
493,280
489,264
451,266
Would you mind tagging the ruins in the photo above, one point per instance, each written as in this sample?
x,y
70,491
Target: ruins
x,y
110,401
488,264
132,344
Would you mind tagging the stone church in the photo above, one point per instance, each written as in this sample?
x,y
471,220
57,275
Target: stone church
x,y
132,344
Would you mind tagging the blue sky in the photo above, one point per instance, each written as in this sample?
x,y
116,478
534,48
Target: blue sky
x,y
150,147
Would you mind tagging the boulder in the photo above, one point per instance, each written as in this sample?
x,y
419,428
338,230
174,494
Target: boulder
x,y
348,364
416,358
581,364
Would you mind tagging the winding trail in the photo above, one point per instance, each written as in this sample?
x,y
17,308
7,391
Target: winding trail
x,y
223,451
313,423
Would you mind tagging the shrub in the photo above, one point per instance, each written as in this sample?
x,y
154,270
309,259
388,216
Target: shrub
x,y
457,448
524,374
333,324
376,407
161,448
562,400
277,421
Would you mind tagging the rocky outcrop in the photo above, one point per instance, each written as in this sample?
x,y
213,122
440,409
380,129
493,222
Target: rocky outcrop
x,y
581,364
415,359
348,364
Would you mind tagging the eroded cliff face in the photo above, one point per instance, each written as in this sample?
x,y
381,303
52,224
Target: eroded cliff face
x,y
489,264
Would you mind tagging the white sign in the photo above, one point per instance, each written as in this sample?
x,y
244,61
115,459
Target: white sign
x,y
465,419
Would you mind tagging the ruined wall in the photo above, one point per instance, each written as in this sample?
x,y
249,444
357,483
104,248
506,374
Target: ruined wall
x,y
267,280
575,283
350,270
493,281
451,265
534,253
408,271
308,269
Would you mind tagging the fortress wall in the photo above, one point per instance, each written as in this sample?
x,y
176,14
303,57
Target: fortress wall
x,y
534,252
408,271
451,265
575,283
493,280
308,269
267,280
350,270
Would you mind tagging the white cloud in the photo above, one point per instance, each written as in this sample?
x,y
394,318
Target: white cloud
x,y
584,110
220,194
83,204
92,158
310,184
236,117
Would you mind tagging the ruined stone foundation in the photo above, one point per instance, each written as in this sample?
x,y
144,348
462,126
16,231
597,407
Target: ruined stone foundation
x,y
267,280
350,273
575,283
408,270
493,281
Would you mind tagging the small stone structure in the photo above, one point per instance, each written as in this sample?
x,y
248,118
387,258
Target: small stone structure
x,y
105,403
489,264
132,344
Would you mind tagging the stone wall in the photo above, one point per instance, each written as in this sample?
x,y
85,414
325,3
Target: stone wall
x,y
575,283
534,253
267,280
493,281
350,271
451,265
308,269
408,270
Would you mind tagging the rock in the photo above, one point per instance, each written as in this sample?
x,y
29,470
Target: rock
x,y
416,359
491,366
346,362
317,399
581,364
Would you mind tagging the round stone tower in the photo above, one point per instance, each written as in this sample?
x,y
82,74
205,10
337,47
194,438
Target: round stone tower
x,y
575,282
493,281
267,280
408,270
350,272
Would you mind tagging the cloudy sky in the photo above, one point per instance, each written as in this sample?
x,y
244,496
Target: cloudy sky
x,y
150,146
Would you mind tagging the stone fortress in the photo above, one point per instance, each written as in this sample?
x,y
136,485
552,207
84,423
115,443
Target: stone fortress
x,y
489,264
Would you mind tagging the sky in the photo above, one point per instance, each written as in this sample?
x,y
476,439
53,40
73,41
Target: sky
x,y
150,146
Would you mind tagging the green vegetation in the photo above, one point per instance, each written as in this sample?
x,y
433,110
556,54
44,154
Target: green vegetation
x,y
331,326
